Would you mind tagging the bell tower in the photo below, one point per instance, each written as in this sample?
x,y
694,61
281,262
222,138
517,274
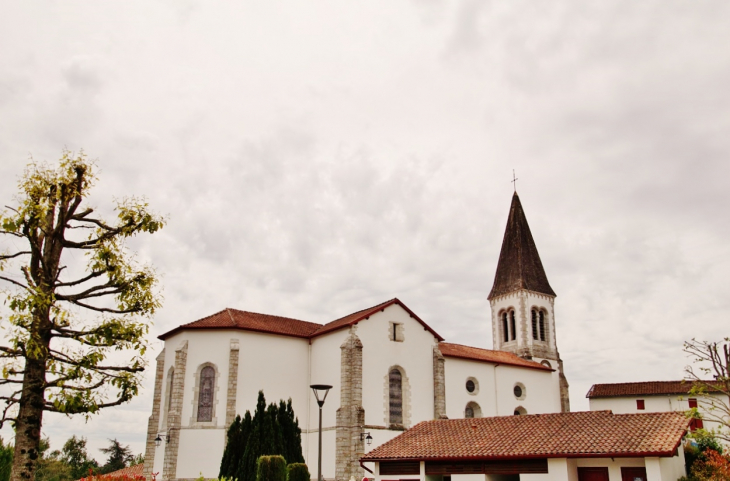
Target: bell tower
x,y
522,301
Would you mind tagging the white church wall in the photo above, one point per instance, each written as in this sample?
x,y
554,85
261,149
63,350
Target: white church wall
x,y
540,391
325,369
457,372
200,452
414,354
276,364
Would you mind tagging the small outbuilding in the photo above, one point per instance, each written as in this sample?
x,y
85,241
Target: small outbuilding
x,y
580,446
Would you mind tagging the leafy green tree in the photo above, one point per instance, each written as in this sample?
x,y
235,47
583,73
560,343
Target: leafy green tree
x,y
119,456
6,460
75,456
63,318
50,465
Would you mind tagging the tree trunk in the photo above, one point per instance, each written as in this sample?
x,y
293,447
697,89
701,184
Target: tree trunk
x,y
28,425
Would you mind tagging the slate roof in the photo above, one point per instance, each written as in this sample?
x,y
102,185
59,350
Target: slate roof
x,y
519,265
557,435
251,321
487,355
650,388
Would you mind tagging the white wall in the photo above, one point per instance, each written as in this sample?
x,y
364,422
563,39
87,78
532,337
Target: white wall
x,y
277,364
652,404
414,355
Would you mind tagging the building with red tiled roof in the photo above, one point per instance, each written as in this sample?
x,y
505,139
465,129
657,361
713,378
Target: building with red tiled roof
x,y
658,396
135,472
561,446
389,370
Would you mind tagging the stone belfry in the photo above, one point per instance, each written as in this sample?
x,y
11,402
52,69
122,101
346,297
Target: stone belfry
x,y
522,301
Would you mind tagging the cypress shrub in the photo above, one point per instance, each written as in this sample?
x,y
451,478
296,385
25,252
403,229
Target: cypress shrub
x,y
271,468
297,472
271,430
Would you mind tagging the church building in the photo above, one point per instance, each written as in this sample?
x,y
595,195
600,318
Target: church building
x,y
389,371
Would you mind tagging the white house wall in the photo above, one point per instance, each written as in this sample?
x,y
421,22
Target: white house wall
x,y
652,404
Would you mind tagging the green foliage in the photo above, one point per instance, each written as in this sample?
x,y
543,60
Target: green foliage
x,y
75,295
272,430
50,466
6,460
297,472
271,468
119,456
75,456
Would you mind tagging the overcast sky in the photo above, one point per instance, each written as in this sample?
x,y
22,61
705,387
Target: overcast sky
x,y
316,158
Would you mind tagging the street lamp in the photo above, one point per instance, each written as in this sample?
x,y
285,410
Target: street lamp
x,y
320,389
160,437
367,437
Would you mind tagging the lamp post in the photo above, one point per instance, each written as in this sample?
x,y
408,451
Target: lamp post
x,y
318,389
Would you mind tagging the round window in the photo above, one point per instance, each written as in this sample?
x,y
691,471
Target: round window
x,y
470,386
518,391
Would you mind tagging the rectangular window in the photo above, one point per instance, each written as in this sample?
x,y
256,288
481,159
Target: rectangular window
x,y
640,404
396,332
694,423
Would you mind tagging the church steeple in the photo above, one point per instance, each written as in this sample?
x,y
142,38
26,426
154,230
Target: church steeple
x,y
522,301
519,266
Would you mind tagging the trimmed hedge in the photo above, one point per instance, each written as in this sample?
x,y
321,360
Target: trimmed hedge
x,y
297,472
271,468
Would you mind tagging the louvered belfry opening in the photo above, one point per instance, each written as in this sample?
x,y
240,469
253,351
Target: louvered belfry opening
x,y
396,396
205,396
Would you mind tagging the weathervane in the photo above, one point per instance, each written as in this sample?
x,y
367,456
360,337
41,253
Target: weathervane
x,y
514,179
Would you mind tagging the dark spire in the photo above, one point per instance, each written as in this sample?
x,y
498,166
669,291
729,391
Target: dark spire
x,y
519,264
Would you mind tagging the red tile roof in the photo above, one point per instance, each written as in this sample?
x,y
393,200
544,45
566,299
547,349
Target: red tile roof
x,y
131,471
650,388
558,435
251,321
356,317
487,355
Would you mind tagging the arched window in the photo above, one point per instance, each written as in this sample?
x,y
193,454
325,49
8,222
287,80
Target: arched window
x,y
513,324
472,410
543,337
168,395
505,329
205,394
395,379
535,334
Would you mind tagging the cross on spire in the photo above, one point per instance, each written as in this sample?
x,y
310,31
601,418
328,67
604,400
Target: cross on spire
x,y
514,179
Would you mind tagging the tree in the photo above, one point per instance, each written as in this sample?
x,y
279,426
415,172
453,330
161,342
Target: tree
x,y
6,460
711,359
75,456
119,456
273,430
50,465
64,318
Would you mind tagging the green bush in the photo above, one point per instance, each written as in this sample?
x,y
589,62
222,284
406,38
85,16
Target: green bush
x,y
297,472
271,468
